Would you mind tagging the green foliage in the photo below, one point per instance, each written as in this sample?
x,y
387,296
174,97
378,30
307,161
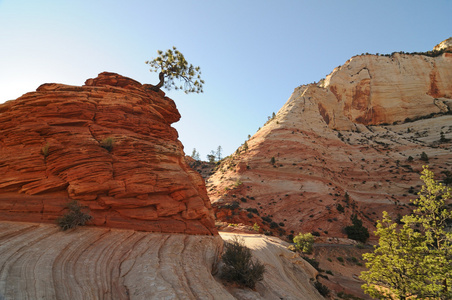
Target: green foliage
x,y
245,146
238,182
340,208
107,143
303,242
219,153
424,156
414,260
272,160
211,157
74,217
256,227
239,266
323,289
312,262
172,65
357,231
195,154
45,150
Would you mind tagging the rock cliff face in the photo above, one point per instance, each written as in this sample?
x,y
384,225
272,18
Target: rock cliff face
x,y
108,144
350,144
373,90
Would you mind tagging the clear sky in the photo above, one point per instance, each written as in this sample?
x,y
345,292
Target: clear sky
x,y
252,53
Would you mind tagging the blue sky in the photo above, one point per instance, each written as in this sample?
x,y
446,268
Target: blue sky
x,y
252,53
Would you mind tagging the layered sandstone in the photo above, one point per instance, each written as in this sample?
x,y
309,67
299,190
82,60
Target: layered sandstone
x,y
350,144
104,263
55,148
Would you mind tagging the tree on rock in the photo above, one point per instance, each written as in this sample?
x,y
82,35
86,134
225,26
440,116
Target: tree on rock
x,y
172,65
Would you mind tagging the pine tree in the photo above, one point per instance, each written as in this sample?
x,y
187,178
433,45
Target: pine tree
x,y
172,65
218,154
195,154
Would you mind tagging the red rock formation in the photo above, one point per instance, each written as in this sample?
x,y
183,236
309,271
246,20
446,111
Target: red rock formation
x,y
54,147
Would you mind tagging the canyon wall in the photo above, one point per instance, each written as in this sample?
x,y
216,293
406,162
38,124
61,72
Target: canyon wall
x,y
350,144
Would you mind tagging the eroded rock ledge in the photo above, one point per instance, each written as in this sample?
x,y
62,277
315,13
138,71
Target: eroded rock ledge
x,y
53,150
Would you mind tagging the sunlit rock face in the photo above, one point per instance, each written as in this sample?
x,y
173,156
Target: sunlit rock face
x,y
350,144
108,144
444,45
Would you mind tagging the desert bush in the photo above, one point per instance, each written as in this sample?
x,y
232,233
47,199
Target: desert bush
x,y
239,266
312,262
45,150
74,217
424,156
303,242
357,231
107,144
323,289
256,227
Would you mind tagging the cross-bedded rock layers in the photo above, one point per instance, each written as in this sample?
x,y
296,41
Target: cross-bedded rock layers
x,y
109,145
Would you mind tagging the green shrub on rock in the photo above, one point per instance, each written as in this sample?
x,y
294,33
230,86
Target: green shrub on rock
x,y
74,217
239,266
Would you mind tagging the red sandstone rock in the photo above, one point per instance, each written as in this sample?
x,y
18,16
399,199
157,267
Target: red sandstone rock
x,y
51,152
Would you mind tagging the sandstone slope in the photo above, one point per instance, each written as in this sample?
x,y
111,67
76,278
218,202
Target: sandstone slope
x,y
350,144
103,263
55,148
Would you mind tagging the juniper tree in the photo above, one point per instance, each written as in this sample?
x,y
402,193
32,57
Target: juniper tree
x,y
303,242
414,260
172,65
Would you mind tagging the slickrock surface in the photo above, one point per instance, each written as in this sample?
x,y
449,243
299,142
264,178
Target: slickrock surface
x,y
287,276
327,154
38,261
54,149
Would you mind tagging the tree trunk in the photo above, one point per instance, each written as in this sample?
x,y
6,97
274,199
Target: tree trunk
x,y
157,87
162,81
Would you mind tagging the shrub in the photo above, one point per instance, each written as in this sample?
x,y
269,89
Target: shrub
x,y
45,150
323,289
312,262
239,266
107,143
340,208
424,156
256,227
267,219
357,231
74,217
303,242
